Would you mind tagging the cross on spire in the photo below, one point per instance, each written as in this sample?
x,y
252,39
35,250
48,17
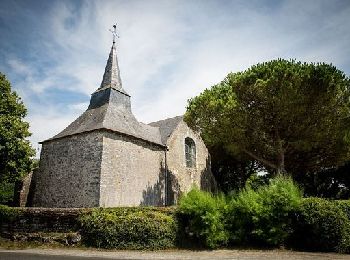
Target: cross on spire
x,y
114,32
111,77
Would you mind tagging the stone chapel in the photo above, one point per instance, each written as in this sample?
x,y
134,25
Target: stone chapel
x,y
106,158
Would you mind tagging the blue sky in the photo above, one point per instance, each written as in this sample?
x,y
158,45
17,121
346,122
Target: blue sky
x,y
54,52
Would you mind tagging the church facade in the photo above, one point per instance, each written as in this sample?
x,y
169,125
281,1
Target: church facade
x,y
106,158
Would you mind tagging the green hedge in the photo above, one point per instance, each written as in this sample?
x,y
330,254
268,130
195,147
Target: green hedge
x,y
262,216
122,228
259,216
344,205
202,218
321,225
129,228
272,215
9,214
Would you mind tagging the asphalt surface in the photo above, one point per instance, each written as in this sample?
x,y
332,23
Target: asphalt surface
x,y
31,256
55,254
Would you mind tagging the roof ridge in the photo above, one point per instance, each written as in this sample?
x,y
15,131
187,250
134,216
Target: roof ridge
x,y
167,126
169,118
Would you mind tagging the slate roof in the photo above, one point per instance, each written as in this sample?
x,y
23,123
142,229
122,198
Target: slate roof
x,y
110,109
167,127
111,76
111,118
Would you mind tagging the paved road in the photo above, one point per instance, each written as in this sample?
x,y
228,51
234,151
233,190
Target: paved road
x,y
62,254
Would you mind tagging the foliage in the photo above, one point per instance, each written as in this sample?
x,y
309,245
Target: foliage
x,y
15,150
262,216
321,225
247,217
333,183
286,115
344,205
230,171
203,215
255,181
7,192
272,215
129,228
9,214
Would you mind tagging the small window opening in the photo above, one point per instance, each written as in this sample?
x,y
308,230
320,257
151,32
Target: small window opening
x,y
190,152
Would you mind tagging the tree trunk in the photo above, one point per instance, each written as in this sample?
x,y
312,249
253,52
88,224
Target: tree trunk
x,y
280,163
280,169
280,157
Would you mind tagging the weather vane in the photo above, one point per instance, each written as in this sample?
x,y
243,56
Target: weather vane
x,y
114,32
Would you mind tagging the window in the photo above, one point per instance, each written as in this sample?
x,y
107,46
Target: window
x,y
190,152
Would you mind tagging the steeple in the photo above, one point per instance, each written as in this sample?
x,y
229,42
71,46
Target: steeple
x,y
111,76
110,109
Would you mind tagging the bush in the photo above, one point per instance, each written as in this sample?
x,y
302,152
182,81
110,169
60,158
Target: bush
x,y
264,216
202,216
129,228
321,225
344,205
6,192
8,214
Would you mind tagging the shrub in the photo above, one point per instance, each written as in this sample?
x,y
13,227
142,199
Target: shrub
x,y
202,216
9,214
321,225
264,216
344,205
6,192
133,228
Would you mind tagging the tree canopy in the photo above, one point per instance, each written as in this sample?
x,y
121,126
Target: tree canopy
x,y
286,115
15,150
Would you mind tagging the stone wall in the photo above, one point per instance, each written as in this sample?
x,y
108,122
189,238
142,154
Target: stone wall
x,y
69,172
132,172
28,220
24,190
180,177
107,169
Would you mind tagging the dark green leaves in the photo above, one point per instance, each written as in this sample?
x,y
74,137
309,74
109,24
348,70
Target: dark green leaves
x,y
287,115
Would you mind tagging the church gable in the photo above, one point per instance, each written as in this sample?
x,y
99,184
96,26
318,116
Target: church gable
x,y
167,127
188,159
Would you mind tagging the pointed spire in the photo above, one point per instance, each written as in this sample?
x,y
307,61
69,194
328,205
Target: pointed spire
x,y
111,77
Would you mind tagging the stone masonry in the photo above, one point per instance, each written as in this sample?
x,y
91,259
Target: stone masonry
x,y
106,158
200,175
69,172
180,178
132,172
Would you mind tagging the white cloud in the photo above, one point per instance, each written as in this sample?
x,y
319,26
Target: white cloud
x,y
79,107
45,125
169,51
19,67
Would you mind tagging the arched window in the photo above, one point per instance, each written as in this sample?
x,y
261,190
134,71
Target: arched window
x,y
190,152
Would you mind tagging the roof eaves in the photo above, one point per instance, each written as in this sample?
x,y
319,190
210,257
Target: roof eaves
x,y
105,129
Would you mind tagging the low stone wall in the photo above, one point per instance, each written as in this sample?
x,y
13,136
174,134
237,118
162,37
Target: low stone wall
x,y
31,220
122,228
